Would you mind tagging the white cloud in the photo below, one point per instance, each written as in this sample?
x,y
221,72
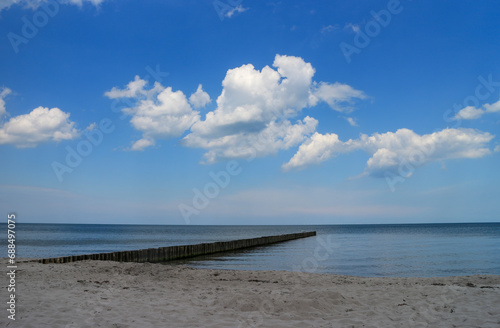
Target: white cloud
x,y
5,92
469,113
351,121
92,126
493,108
352,27
236,10
392,150
497,148
472,113
251,97
254,111
134,89
5,4
81,2
274,137
336,94
141,144
158,112
256,103
200,98
329,28
41,125
34,4
170,115
317,149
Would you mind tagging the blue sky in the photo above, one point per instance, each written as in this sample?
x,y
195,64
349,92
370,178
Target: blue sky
x,y
239,112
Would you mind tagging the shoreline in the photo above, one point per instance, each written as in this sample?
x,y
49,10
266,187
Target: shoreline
x,y
115,294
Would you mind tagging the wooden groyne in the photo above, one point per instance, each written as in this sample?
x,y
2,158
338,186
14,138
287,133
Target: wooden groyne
x,y
170,253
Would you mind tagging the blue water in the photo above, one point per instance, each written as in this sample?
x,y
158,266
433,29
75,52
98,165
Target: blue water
x,y
420,250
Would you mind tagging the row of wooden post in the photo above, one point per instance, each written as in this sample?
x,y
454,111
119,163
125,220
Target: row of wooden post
x,y
164,254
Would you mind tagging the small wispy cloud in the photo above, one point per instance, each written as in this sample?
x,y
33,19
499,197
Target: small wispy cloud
x,y
92,126
329,28
351,121
236,10
352,27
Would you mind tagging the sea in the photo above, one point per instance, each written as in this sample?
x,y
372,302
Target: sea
x,y
382,250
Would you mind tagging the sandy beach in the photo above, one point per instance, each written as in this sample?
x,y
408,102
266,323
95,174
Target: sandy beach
x,y
113,294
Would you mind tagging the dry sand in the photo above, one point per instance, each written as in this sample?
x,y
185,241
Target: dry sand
x,y
112,294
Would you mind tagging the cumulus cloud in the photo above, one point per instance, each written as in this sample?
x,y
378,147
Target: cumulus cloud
x,y
255,113
158,112
34,4
389,151
318,148
200,98
41,125
274,137
256,103
473,113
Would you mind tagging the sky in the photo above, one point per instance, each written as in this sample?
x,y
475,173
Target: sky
x,y
249,112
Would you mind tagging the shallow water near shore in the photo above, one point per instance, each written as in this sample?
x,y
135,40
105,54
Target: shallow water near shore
x,y
410,250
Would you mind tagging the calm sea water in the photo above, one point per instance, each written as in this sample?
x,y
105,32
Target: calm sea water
x,y
422,250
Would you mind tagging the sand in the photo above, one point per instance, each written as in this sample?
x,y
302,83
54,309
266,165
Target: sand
x,y
112,294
